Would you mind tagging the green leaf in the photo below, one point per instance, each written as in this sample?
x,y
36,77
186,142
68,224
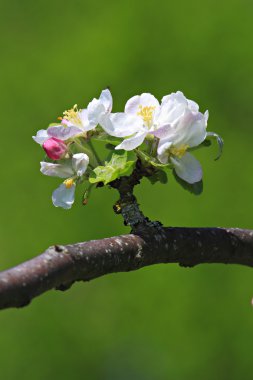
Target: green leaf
x,y
194,188
118,166
158,176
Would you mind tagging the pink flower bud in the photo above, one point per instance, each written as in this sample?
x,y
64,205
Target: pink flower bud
x,y
55,148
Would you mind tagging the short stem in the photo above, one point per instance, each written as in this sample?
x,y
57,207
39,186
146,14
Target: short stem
x,y
89,151
80,146
95,153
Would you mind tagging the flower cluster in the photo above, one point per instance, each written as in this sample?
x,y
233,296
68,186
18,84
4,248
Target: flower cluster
x,y
160,135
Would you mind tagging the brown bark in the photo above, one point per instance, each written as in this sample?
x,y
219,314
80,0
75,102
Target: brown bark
x,y
60,266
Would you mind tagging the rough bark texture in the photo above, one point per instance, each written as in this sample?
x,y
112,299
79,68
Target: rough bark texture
x,y
60,266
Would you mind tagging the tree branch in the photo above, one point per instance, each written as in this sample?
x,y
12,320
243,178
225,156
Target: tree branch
x,y
150,243
60,266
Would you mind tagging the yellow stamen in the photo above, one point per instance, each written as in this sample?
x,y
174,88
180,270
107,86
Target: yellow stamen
x,y
72,115
179,151
146,113
69,183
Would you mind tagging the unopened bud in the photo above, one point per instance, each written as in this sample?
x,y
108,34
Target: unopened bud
x,y
55,148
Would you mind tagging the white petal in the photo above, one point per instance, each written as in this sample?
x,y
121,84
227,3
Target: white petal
x,y
162,151
144,100
95,110
64,197
162,132
121,124
187,168
132,142
132,105
193,106
171,110
83,116
175,97
106,99
80,162
41,136
190,129
206,116
63,133
56,170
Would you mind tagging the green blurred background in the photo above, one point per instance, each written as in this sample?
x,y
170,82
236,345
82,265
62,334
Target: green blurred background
x,y
162,322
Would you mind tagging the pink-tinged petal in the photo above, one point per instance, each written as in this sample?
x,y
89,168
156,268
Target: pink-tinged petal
x,y
162,132
121,124
64,133
187,168
133,142
41,136
64,197
65,122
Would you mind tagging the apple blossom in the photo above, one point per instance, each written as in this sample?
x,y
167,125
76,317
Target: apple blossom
x,y
188,130
143,117
77,122
72,170
171,130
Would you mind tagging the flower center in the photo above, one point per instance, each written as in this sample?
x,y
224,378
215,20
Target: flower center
x,y
72,115
69,183
147,114
179,151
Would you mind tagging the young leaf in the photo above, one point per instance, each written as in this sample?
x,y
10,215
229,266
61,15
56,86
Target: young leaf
x,y
118,166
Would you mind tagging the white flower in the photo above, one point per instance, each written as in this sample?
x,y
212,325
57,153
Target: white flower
x,y
72,169
78,121
74,123
143,116
188,130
